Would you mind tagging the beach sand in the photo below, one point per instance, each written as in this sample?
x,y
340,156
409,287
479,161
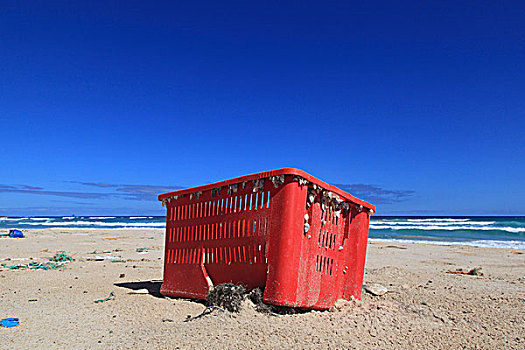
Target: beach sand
x,y
425,308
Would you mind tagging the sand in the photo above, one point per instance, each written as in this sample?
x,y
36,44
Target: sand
x,y
425,308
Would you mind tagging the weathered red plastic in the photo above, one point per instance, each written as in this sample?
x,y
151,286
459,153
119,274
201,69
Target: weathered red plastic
x,y
251,231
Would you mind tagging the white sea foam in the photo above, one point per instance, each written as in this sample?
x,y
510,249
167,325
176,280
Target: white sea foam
x,y
102,217
95,223
14,219
69,217
448,228
437,219
103,228
477,243
39,219
432,223
138,217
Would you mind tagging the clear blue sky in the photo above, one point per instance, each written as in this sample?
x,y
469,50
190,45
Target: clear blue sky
x,y
416,106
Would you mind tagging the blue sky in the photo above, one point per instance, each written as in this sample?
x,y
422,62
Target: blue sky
x,y
416,106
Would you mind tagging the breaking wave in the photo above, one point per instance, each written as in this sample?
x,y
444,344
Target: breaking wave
x,y
478,243
94,223
507,232
447,228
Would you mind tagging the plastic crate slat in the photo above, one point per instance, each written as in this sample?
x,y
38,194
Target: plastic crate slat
x,y
262,230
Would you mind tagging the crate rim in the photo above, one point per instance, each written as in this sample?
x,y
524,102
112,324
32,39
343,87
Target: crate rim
x,y
267,174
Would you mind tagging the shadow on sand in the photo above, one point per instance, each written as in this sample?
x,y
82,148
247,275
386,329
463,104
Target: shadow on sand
x,y
153,287
223,299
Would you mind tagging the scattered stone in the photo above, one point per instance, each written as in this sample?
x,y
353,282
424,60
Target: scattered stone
x,y
473,272
139,291
100,258
376,289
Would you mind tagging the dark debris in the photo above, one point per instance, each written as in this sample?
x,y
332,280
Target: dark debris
x,y
227,296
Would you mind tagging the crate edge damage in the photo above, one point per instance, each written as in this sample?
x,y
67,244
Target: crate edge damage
x,y
301,239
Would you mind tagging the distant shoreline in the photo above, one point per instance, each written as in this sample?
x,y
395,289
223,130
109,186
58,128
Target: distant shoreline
x,y
495,232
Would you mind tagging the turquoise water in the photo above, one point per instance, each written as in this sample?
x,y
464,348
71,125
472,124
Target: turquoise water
x,y
508,232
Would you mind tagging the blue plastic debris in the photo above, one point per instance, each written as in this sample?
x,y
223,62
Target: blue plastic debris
x,y
16,234
9,322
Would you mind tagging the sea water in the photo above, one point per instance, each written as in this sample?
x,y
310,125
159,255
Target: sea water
x,y
503,232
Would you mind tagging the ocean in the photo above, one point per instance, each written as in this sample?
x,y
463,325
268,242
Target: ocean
x,y
502,232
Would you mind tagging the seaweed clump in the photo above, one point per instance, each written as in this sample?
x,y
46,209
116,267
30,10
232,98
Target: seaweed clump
x,y
231,297
256,297
227,296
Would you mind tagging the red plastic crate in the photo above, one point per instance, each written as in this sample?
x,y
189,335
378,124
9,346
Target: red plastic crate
x,y
301,239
